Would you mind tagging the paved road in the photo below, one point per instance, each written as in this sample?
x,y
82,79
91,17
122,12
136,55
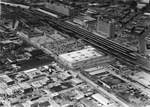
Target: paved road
x,y
143,63
89,81
104,91
138,86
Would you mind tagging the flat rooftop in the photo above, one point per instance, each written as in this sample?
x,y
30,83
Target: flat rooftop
x,y
81,55
142,77
85,18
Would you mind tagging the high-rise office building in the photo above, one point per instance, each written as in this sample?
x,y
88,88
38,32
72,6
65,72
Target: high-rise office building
x,y
106,27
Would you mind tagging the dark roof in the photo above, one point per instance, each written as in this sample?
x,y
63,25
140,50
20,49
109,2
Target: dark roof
x,y
44,104
35,53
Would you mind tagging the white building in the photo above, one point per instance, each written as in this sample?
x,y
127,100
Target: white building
x,y
142,77
101,99
81,58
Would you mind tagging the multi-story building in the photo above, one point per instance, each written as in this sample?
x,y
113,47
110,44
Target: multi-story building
x,y
106,27
86,22
60,8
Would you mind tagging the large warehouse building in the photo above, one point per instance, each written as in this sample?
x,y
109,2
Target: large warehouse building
x,y
82,57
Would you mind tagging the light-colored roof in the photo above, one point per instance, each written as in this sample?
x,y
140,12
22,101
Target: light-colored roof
x,y
145,1
147,13
140,6
64,75
76,80
101,99
5,78
16,87
9,91
97,71
24,85
22,34
142,77
2,85
36,84
51,14
6,42
2,91
33,73
30,70
81,55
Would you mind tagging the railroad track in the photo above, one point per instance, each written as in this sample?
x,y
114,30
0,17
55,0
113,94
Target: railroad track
x,y
99,41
